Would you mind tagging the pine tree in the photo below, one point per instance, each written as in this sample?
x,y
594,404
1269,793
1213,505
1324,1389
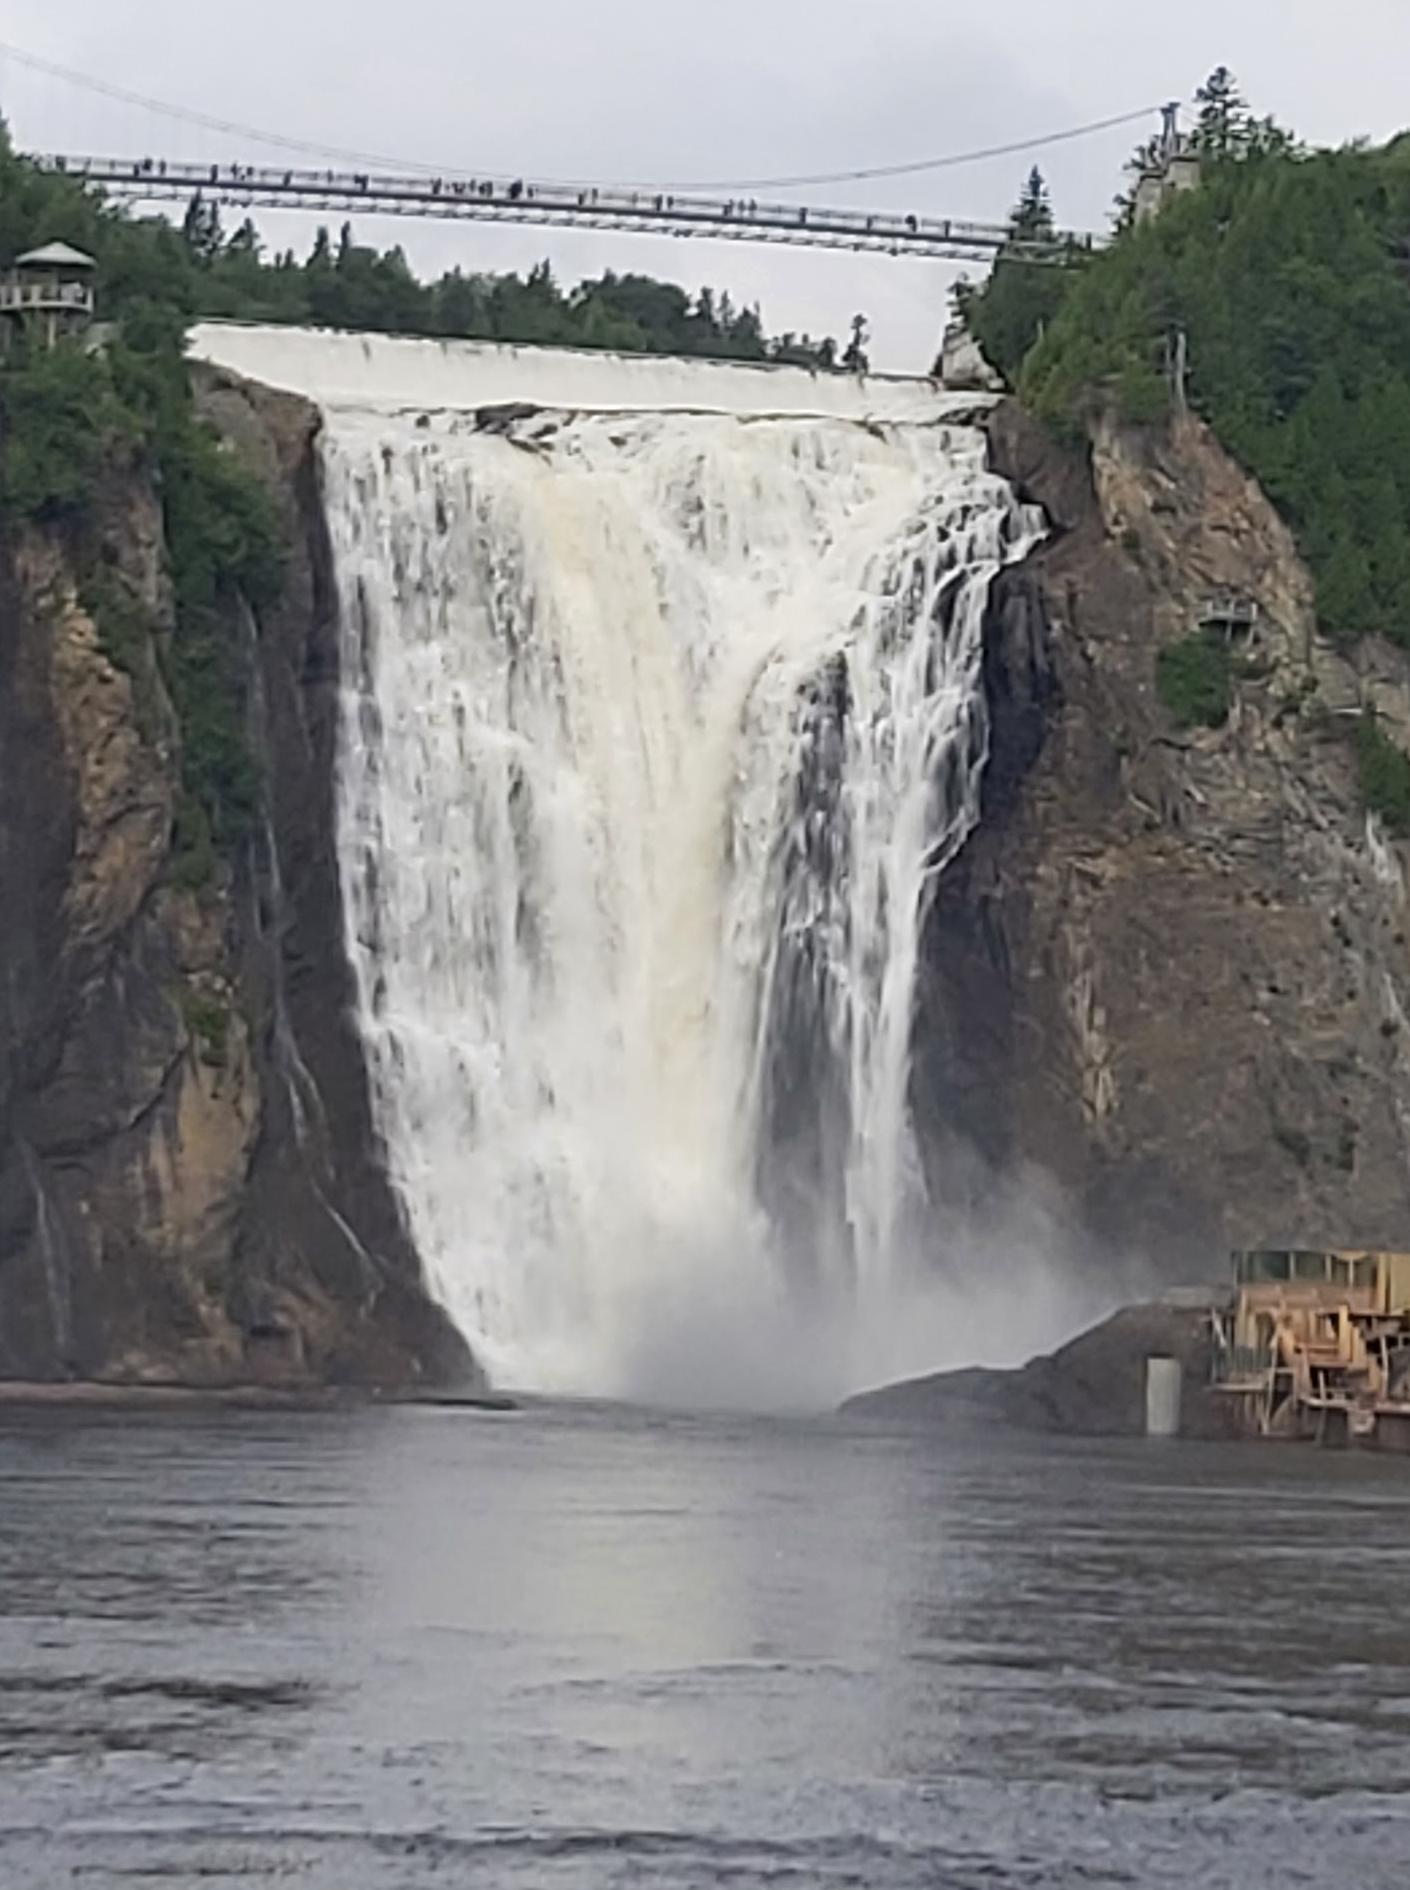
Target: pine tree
x,y
1032,217
1222,128
201,229
245,242
854,356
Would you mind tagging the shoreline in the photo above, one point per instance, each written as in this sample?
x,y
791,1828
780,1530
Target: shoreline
x,y
21,1393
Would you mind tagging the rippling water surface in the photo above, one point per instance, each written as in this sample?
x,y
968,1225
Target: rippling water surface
x,y
586,1647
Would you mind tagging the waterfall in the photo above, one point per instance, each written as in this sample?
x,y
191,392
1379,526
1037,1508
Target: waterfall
x,y
658,729
662,716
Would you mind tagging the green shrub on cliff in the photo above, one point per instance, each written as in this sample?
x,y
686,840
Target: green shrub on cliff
x,y
1194,680
207,1019
1383,771
224,554
68,418
60,421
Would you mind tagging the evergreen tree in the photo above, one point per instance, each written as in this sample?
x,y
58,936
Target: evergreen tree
x,y
201,229
1222,127
1031,219
854,357
746,334
320,281
1008,315
245,242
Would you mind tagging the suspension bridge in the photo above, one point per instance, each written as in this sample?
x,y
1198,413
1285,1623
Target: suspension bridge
x,y
527,201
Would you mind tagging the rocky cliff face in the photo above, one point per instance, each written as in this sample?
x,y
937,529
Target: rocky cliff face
x,y
1171,968
188,1183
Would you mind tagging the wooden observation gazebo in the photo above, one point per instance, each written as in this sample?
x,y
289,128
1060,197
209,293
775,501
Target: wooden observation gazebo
x,y
47,296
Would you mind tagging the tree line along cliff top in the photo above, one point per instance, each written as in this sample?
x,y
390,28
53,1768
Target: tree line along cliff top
x,y
1273,301
1283,284
201,271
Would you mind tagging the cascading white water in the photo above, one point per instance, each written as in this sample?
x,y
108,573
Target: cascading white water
x,y
660,723
657,730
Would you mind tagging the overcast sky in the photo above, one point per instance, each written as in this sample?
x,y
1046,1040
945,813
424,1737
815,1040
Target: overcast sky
x,y
643,90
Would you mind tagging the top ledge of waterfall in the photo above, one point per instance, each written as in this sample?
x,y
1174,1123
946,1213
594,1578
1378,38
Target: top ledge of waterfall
x,y
386,373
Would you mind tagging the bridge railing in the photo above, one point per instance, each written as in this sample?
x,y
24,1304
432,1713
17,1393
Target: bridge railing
x,y
534,201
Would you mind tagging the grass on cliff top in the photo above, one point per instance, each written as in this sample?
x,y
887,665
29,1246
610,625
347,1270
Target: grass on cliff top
x,y
1289,273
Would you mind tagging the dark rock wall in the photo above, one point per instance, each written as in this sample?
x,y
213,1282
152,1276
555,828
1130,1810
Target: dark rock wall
x,y
1170,969
178,1203
1095,1386
1168,972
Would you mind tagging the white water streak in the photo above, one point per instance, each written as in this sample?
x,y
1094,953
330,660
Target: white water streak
x,y
586,668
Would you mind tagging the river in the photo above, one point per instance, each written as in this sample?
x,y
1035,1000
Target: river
x,y
592,1647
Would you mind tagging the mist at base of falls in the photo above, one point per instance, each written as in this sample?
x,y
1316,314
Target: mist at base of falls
x,y
658,730
1002,1287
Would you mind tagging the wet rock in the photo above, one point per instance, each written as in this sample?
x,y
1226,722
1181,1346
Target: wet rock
x,y
1095,1386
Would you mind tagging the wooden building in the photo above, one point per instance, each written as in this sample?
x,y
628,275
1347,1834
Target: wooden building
x,y
1317,1344
47,296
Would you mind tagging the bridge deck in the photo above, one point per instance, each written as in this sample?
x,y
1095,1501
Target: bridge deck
x,y
494,200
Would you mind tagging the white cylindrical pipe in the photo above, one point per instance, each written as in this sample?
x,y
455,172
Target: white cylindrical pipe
x,y
1163,1386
